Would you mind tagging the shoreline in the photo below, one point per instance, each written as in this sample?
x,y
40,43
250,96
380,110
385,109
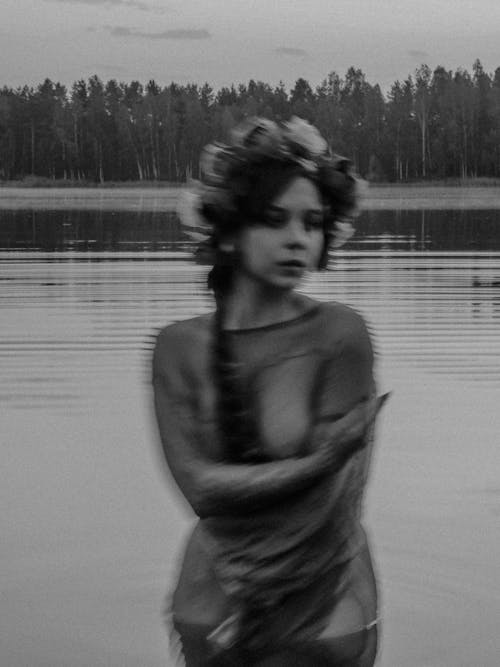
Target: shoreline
x,y
155,198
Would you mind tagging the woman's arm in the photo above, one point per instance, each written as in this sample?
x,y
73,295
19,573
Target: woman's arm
x,y
222,488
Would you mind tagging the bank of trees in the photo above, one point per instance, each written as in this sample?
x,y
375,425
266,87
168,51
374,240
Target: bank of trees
x,y
434,124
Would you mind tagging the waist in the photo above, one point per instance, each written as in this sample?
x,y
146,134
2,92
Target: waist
x,y
199,599
310,529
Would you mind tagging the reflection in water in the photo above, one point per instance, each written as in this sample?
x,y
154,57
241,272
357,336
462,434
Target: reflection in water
x,y
87,230
71,319
443,230
91,529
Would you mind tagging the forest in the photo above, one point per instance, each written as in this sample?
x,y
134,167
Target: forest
x,y
433,125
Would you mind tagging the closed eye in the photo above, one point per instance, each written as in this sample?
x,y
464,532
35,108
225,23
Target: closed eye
x,y
313,219
276,216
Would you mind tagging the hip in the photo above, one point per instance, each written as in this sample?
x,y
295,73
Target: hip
x,y
336,613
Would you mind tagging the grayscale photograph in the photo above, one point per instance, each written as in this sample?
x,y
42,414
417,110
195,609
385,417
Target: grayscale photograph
x,y
250,333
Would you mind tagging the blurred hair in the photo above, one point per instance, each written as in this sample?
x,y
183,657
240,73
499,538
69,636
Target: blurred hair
x,y
239,183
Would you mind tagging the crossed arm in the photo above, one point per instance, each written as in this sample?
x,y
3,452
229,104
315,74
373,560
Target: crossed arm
x,y
223,488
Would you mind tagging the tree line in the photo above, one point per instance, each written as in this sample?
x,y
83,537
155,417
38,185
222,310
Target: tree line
x,y
434,124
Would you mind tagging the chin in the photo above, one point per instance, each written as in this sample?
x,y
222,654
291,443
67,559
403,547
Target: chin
x,y
285,283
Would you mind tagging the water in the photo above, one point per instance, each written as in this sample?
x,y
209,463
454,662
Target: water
x,y
155,230
91,523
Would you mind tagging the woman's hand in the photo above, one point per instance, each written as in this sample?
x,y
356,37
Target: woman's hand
x,y
345,436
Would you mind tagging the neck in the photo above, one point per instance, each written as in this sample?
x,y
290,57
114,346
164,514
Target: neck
x,y
249,304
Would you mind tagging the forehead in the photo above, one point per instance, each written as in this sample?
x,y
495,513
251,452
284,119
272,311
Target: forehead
x,y
300,192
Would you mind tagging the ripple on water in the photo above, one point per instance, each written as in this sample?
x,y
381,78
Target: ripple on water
x,y
72,323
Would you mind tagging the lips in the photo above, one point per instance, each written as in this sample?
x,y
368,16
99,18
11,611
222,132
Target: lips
x,y
293,264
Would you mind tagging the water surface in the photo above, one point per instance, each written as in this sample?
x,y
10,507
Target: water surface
x,y
92,524
153,229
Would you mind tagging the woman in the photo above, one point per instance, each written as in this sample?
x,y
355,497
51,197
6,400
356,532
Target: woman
x,y
265,410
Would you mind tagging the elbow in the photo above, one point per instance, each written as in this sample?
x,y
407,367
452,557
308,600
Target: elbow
x,y
201,488
194,484
200,496
199,505
205,508
195,497
201,511
207,498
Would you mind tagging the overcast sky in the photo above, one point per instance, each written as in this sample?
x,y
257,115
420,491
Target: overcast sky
x,y
231,41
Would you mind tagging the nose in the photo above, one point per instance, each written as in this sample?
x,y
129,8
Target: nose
x,y
296,233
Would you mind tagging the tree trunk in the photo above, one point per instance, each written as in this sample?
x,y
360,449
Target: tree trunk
x,y
101,167
424,128
139,167
75,139
465,166
32,145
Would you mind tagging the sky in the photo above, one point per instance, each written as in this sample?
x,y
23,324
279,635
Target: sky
x,y
230,41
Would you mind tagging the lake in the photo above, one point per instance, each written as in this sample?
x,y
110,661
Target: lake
x,y
91,523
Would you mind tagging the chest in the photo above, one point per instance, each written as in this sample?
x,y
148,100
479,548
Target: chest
x,y
280,397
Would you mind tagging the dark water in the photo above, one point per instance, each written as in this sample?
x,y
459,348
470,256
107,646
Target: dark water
x,y
91,524
85,230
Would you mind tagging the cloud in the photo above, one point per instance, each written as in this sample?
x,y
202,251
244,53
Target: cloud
x,y
415,53
290,51
132,4
120,31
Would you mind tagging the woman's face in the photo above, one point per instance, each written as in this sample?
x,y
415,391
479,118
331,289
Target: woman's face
x,y
289,240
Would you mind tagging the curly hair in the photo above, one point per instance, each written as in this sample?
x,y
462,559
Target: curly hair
x,y
240,179
239,182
